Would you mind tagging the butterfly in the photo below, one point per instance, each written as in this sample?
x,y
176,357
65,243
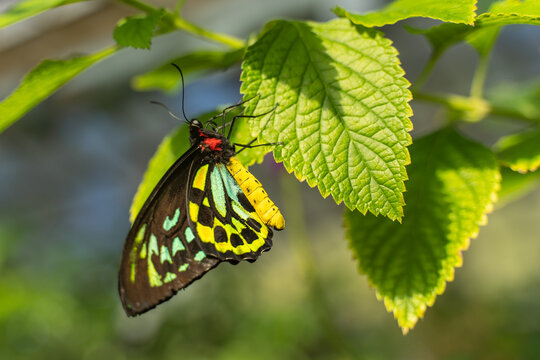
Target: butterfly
x,y
206,209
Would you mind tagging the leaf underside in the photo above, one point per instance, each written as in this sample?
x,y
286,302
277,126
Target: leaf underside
x,y
458,11
453,183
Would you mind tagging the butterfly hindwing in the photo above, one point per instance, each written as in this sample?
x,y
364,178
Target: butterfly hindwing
x,y
228,226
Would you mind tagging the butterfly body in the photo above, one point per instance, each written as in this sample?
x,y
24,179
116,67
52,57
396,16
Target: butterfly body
x,y
206,209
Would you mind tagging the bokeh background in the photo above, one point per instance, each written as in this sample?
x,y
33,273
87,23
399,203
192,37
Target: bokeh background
x,y
70,167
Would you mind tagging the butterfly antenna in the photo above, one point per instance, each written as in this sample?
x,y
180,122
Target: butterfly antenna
x,y
168,110
182,77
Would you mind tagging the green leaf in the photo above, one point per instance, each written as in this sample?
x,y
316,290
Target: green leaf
x,y
341,109
527,8
174,145
521,151
166,77
41,82
486,26
27,8
515,185
137,31
242,135
518,98
457,11
453,183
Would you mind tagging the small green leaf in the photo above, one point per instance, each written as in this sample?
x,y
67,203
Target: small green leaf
x,y
174,145
41,82
453,183
521,151
27,8
166,77
458,11
137,31
337,100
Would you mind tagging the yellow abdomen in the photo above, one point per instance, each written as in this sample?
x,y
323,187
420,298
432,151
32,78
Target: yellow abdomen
x,y
265,208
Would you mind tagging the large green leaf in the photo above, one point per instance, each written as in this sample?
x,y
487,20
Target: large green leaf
x,y
41,82
453,183
27,8
166,78
457,11
341,109
177,143
137,31
521,151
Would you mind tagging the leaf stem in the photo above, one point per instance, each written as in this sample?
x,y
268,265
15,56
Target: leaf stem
x,y
479,78
193,29
179,23
426,71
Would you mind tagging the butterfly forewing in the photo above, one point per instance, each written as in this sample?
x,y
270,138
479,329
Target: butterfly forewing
x,y
162,254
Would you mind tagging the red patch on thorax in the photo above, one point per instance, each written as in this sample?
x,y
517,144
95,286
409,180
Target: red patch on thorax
x,y
210,143
213,143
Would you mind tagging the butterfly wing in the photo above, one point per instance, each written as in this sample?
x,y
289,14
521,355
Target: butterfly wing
x,y
225,221
196,217
162,254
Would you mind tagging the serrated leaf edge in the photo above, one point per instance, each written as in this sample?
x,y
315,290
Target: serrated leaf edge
x,y
439,290
407,126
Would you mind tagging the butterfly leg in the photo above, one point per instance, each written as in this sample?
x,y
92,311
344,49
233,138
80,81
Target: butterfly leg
x,y
249,117
249,146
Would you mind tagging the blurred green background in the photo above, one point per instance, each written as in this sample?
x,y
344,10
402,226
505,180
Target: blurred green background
x,y
71,166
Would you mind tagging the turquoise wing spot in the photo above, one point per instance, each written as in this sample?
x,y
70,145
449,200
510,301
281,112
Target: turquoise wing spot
x,y
218,193
152,246
169,277
164,255
177,246
230,184
183,267
199,256
189,235
168,224
154,279
241,211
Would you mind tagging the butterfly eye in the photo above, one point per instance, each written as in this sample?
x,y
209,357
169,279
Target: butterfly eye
x,y
196,123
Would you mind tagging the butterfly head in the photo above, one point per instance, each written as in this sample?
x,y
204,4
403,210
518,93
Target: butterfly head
x,y
210,142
